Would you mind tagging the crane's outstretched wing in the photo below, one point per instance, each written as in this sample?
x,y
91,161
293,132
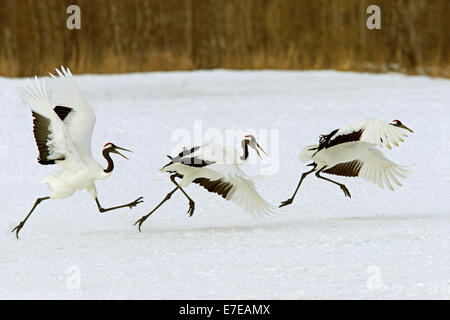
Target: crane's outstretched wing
x,y
373,166
373,131
245,195
73,109
52,138
232,184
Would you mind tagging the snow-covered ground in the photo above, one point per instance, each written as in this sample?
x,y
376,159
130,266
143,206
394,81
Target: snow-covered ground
x,y
378,244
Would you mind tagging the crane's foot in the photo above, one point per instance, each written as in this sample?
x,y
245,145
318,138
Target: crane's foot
x,y
140,222
346,192
285,203
135,202
18,228
190,212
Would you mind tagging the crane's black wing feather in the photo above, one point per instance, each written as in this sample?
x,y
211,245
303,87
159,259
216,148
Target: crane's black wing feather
x,y
346,169
219,186
62,111
41,130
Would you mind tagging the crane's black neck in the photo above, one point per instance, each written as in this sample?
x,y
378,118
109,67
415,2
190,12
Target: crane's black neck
x,y
108,158
245,149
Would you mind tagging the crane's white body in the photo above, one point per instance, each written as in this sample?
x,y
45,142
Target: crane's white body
x,y
64,183
71,138
224,165
373,165
344,152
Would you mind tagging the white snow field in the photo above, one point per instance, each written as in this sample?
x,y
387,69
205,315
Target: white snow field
x,y
378,244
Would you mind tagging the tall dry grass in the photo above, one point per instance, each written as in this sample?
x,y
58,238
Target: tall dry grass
x,y
138,35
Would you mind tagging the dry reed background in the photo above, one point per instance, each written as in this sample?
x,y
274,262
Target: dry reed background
x,y
139,35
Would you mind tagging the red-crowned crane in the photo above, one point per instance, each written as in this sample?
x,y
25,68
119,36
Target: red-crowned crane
x,y
215,167
352,152
63,130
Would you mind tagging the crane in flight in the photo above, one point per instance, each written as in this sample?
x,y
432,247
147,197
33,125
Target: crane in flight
x,y
352,152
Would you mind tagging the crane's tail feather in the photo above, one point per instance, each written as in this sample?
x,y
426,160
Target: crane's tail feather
x,y
307,153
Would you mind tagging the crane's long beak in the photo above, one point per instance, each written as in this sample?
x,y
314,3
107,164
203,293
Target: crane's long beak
x,y
406,128
115,151
257,144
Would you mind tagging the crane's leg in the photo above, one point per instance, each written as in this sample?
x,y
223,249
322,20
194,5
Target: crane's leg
x,y
191,209
343,187
22,223
141,220
289,201
130,205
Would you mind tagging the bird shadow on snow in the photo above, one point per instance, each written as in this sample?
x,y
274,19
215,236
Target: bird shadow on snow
x,y
289,224
306,223
397,217
148,230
